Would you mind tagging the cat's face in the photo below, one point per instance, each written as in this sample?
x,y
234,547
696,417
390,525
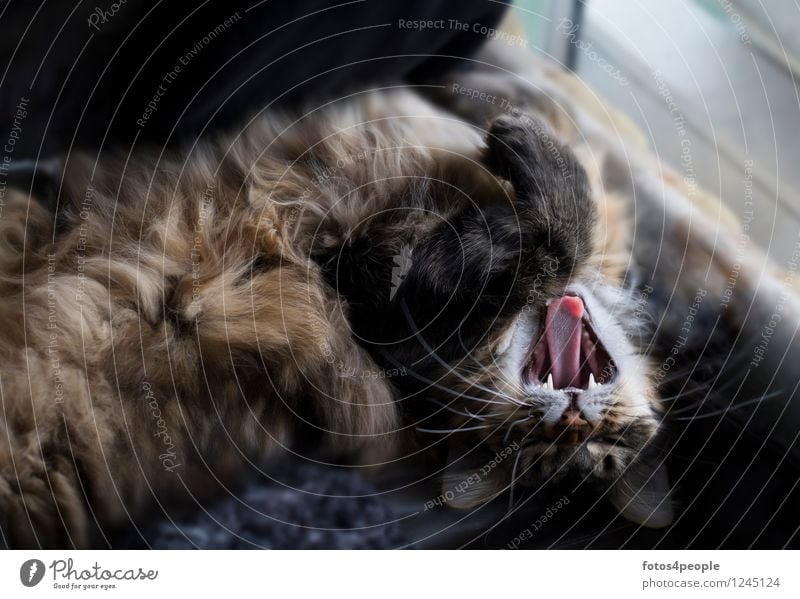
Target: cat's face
x,y
559,393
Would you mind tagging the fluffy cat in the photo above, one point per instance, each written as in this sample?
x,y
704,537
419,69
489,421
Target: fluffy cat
x,y
375,279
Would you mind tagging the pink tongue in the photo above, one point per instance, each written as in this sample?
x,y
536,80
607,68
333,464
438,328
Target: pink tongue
x,y
563,329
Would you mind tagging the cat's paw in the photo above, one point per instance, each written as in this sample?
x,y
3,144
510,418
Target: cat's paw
x,y
505,143
524,150
516,146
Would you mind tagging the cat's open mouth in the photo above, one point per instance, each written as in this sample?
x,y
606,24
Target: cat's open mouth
x,y
568,354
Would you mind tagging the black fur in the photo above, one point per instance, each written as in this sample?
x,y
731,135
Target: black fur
x,y
477,267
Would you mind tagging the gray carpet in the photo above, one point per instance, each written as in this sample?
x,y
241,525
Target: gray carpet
x,y
311,507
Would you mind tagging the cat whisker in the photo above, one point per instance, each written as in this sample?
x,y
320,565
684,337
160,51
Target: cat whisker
x,y
466,412
731,408
511,427
686,394
513,483
442,362
706,399
481,369
448,390
493,391
454,430
677,374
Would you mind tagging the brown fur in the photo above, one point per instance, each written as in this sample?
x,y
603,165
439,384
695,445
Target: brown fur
x,y
172,322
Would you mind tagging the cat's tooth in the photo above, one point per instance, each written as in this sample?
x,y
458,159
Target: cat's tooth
x,y
592,383
550,381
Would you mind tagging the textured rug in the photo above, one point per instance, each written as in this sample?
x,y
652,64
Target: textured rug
x,y
303,506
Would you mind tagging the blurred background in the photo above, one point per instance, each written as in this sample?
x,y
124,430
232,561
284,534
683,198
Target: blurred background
x,y
710,83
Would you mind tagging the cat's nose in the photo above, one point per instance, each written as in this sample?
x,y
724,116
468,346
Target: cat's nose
x,y
572,426
572,418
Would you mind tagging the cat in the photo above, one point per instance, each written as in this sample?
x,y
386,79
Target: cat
x,y
375,279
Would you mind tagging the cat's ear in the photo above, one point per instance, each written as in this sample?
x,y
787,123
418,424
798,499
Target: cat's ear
x,y
469,483
642,495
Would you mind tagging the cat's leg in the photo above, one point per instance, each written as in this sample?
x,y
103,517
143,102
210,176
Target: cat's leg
x,y
506,81
111,419
41,503
487,262
349,398
43,452
552,189
281,335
